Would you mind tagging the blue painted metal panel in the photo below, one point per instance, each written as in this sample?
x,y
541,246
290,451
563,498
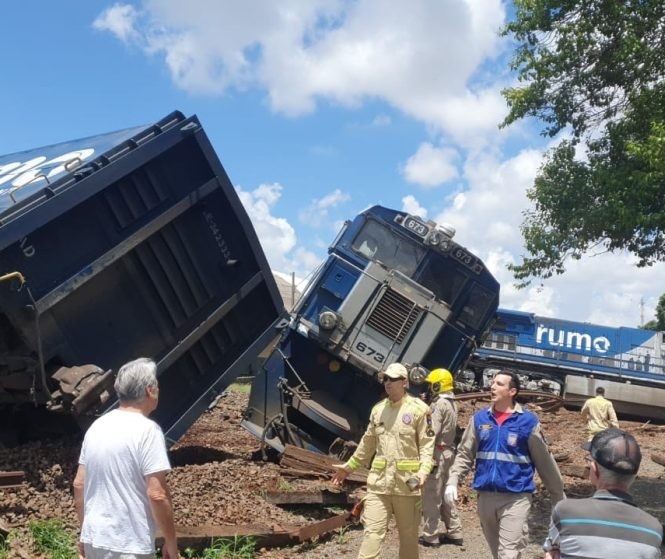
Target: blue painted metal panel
x,y
143,249
575,346
27,172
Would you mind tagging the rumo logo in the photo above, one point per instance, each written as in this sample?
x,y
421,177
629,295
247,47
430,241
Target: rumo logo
x,y
571,340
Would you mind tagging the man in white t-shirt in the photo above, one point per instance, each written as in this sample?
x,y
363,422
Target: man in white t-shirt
x,y
120,489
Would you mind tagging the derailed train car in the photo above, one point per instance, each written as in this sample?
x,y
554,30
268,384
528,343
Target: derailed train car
x,y
123,245
577,357
394,288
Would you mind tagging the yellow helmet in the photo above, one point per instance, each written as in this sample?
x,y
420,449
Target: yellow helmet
x,y
440,380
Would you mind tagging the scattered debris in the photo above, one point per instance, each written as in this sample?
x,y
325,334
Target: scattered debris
x,y
573,470
658,458
303,460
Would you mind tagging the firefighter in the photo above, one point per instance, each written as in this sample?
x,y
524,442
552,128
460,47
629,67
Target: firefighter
x,y
400,441
443,413
599,414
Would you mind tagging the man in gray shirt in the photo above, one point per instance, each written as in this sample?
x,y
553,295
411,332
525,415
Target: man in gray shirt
x,y
608,524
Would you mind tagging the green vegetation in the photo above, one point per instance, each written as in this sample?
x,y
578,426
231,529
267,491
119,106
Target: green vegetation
x,y
53,540
4,548
596,70
341,533
242,387
284,485
238,547
659,322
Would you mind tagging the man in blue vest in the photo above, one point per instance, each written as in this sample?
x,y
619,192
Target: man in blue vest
x,y
505,444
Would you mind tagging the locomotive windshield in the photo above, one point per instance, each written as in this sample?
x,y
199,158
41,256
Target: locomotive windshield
x,y
378,243
477,307
443,277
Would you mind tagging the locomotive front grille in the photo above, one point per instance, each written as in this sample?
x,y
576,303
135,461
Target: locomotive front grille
x,y
394,315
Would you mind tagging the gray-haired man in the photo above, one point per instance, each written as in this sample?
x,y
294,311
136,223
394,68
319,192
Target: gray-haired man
x,y
607,525
120,489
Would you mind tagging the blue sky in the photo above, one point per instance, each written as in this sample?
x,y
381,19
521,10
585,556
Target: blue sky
x,y
317,109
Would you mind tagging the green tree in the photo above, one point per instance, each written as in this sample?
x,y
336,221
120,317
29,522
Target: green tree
x,y
659,322
596,69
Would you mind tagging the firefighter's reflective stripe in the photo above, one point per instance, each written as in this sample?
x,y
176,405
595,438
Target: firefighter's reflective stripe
x,y
504,457
397,446
354,463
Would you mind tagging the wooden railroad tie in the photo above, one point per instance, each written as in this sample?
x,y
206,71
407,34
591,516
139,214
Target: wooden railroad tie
x,y
11,479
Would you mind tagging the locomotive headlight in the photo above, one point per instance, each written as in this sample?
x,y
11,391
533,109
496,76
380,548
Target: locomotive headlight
x,y
327,320
434,238
418,374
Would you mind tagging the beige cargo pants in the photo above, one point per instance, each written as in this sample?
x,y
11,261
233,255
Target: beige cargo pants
x,y
376,515
434,507
503,517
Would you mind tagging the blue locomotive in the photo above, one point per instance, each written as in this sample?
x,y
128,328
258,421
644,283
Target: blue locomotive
x,y
393,288
578,356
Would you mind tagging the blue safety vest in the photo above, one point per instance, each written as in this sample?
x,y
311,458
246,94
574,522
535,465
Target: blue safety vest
x,y
503,462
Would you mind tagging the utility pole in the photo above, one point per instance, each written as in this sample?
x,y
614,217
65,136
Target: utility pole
x,y
641,311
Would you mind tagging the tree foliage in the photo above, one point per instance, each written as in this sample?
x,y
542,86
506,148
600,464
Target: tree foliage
x,y
595,68
659,322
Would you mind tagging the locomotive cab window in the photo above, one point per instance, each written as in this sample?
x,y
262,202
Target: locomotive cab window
x,y
378,243
477,306
443,278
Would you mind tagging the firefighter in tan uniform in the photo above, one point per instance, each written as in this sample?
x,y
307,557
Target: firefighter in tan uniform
x,y
599,413
443,410
401,444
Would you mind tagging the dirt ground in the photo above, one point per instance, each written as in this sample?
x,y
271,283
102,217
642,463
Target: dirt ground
x,y
215,481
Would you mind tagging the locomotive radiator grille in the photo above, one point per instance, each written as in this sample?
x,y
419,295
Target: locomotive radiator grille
x,y
394,315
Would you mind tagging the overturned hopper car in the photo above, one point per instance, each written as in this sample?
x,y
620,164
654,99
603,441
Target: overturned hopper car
x,y
117,246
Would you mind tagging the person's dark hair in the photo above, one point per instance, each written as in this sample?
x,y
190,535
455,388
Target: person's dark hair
x,y
514,380
133,379
600,391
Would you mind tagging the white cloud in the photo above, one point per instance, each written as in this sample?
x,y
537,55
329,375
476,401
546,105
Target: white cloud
x,y
605,289
276,235
428,59
418,55
488,213
431,166
316,213
411,206
120,20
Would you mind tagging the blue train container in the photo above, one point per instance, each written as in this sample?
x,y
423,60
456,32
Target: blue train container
x,y
123,245
580,356
394,288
